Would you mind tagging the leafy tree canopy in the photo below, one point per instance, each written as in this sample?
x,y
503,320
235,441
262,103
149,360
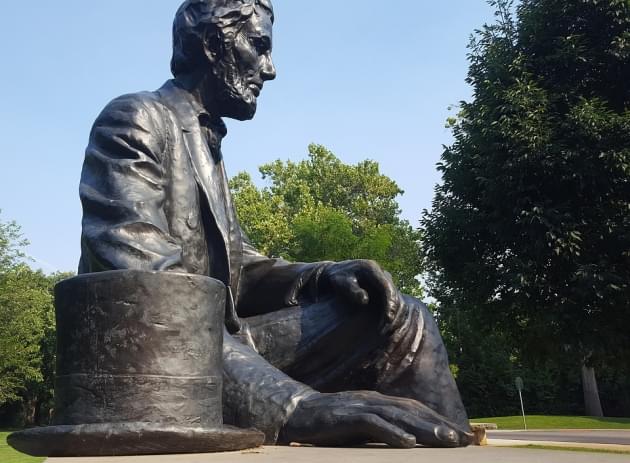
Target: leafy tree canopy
x,y
323,209
11,244
26,313
530,229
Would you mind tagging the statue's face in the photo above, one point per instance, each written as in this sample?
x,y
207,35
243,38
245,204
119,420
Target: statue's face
x,y
240,74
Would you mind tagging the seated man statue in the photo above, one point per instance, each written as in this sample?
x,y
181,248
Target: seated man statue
x,y
322,353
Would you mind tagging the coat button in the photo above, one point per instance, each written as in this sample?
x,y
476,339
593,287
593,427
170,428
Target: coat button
x,y
193,220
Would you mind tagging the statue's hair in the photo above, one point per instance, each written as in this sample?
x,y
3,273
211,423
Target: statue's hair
x,y
199,20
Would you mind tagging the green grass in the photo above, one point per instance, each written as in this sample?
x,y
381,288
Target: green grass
x,y
8,455
556,422
571,449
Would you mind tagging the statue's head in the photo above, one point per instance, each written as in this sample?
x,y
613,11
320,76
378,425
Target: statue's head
x,y
227,45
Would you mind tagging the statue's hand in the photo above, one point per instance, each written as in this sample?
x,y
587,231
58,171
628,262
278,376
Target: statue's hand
x,y
347,418
364,283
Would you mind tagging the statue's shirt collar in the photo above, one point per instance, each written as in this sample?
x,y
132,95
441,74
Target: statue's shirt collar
x,y
194,118
192,114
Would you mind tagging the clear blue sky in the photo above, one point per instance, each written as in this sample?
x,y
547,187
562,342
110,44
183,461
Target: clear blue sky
x,y
366,78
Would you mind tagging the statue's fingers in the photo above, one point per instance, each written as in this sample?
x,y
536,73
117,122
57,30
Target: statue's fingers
x,y
358,295
414,408
427,430
377,278
351,290
379,430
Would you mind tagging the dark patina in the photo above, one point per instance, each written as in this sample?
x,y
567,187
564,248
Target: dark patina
x,y
321,353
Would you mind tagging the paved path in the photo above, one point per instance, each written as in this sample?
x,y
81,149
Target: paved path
x,y
370,455
618,437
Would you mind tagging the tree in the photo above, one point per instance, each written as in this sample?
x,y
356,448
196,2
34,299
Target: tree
x,y
27,331
530,228
11,244
24,303
323,209
38,397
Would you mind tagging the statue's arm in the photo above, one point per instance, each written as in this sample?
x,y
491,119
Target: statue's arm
x,y
123,190
268,284
256,394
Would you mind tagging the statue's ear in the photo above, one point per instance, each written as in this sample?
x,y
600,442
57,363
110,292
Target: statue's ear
x,y
213,47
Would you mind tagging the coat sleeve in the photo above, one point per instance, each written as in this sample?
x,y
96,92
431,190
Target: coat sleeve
x,y
123,190
255,393
269,284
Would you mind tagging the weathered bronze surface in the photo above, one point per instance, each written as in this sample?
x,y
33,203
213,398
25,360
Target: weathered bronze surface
x,y
139,358
129,439
324,353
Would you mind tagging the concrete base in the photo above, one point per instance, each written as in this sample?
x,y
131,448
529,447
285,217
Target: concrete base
x,y
371,454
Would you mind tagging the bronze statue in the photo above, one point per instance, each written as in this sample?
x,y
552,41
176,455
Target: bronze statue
x,y
322,353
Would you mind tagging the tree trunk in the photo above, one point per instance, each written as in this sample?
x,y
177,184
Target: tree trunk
x,y
37,415
592,403
30,412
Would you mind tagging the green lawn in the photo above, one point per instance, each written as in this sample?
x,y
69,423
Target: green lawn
x,y
8,455
556,422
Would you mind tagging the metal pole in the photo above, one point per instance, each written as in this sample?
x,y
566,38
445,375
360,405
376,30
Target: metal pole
x,y
522,408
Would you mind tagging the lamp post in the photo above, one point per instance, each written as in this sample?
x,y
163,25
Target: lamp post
x,y
519,386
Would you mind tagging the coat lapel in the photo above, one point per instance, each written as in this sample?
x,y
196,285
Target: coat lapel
x,y
210,179
209,174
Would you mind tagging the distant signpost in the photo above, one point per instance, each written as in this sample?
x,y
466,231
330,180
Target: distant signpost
x,y
519,385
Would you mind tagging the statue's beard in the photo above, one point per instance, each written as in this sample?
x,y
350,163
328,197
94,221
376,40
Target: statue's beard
x,y
232,92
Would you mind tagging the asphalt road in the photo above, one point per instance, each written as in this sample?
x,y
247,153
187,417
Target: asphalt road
x,y
603,436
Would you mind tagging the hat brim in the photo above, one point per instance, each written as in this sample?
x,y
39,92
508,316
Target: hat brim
x,y
125,439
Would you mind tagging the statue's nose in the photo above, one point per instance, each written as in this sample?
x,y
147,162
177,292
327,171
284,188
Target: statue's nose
x,y
268,71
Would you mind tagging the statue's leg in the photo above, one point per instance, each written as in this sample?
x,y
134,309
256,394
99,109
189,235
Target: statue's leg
x,y
320,344
427,377
332,348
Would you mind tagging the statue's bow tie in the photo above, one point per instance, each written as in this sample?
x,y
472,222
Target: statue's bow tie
x,y
214,130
